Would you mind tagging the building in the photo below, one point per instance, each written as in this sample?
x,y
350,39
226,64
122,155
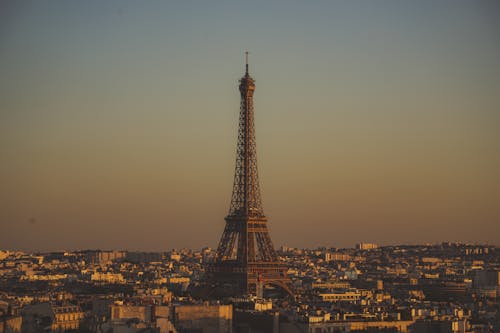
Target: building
x,y
331,285
335,326
107,277
336,256
203,318
105,257
139,257
139,319
487,282
256,322
43,316
66,318
366,246
347,296
440,325
11,324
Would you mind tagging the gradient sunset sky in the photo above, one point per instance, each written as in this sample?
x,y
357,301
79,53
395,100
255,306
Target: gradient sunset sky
x,y
376,121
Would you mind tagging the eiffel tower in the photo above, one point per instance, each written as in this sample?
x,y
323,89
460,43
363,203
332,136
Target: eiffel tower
x,y
246,259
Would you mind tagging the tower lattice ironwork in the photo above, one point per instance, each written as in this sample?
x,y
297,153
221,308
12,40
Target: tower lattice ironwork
x,y
245,256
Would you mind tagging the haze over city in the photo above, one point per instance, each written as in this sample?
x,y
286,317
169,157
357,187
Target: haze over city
x,y
375,122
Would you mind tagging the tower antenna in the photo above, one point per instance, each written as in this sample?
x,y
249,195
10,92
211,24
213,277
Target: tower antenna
x,y
246,58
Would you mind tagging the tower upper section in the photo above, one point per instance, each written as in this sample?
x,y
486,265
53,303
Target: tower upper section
x,y
246,199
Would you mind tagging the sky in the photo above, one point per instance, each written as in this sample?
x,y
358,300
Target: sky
x,y
375,121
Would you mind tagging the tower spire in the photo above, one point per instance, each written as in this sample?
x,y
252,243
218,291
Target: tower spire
x,y
246,198
246,61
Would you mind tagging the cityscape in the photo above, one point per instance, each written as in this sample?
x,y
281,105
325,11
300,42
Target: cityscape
x,y
446,287
93,239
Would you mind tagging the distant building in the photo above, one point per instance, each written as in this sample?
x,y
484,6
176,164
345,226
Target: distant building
x,y
380,285
336,256
105,257
330,285
138,257
366,246
139,319
349,296
44,316
203,318
476,250
441,325
175,257
253,304
182,318
323,324
487,282
178,280
257,322
11,324
444,291
4,254
107,277
43,277
143,313
67,317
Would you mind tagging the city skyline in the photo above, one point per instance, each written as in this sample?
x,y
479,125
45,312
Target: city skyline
x,y
375,122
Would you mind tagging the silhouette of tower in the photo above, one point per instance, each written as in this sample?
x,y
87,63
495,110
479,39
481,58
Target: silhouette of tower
x,y
245,256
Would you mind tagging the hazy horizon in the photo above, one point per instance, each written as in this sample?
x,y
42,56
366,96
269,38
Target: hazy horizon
x,y
375,122
198,248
